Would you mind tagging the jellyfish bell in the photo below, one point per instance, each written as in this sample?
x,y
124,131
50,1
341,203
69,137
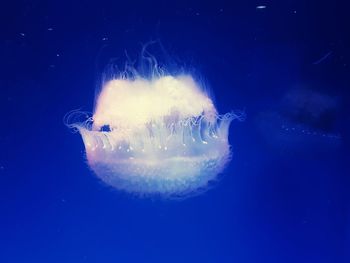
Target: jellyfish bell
x,y
156,136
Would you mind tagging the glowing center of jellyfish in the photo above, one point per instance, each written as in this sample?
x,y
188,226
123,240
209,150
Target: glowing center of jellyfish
x,y
158,136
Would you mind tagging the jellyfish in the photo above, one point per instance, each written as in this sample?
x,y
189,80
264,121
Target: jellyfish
x,y
160,135
303,120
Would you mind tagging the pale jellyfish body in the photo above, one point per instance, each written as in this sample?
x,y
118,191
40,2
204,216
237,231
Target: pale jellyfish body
x,y
159,136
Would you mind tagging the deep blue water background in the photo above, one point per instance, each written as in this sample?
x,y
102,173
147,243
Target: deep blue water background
x,y
284,197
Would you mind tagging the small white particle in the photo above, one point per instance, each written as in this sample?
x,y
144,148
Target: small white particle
x,y
261,7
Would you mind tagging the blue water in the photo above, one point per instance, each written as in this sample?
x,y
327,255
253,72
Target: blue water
x,y
283,198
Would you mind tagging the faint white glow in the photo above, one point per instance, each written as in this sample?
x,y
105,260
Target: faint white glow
x,y
261,7
156,136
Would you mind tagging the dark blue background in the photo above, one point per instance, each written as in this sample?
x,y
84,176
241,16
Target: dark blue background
x,y
284,197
